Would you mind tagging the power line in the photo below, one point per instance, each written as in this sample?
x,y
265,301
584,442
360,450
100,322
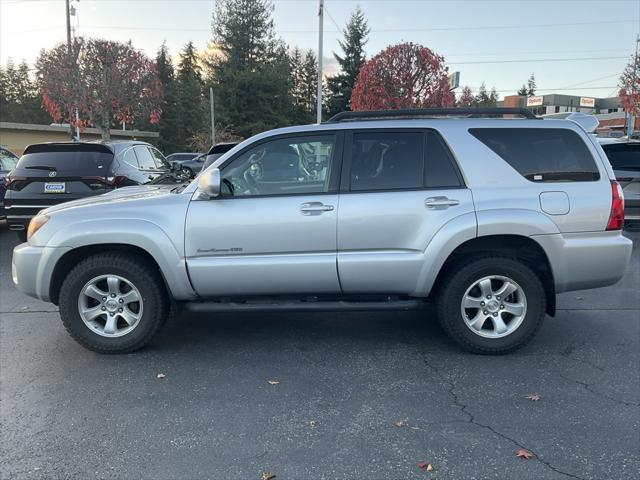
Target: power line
x,y
537,60
384,30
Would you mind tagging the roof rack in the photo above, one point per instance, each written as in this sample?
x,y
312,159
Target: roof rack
x,y
431,112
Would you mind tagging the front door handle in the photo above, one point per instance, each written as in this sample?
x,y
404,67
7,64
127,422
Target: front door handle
x,y
315,208
440,202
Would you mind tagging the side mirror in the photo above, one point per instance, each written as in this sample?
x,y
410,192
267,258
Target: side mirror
x,y
209,183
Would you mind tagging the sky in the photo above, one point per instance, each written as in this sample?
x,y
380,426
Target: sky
x,y
577,47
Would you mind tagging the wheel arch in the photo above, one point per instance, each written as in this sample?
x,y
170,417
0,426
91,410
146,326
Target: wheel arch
x,y
72,257
515,246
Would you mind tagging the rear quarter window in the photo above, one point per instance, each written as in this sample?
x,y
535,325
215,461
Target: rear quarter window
x,y
541,154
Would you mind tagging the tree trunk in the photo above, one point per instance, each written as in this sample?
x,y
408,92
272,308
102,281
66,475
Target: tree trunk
x,y
105,133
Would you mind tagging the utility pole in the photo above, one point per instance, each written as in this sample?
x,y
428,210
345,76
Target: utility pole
x,y
631,119
213,117
320,32
68,15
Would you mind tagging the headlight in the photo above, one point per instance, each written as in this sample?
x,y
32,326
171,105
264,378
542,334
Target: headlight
x,y
35,224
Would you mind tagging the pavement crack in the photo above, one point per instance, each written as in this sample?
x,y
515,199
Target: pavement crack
x,y
589,387
451,390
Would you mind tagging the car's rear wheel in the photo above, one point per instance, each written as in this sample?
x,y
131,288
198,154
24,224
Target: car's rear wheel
x,y
491,305
113,302
188,172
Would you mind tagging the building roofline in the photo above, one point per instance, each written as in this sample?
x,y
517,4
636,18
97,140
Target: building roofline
x,y
65,128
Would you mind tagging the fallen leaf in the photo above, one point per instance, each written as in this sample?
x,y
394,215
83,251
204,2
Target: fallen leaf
x,y
161,375
524,454
415,428
534,397
313,423
267,476
425,466
273,382
400,423
429,468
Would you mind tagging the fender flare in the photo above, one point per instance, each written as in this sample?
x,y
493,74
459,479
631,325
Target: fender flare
x,y
139,233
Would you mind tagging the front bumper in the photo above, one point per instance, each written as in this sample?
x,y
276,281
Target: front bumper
x,y
586,260
32,268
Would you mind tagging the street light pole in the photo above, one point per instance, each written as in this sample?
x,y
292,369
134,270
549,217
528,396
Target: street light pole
x,y
320,32
213,118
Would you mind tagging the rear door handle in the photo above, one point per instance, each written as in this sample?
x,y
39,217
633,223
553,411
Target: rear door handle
x,y
440,202
315,208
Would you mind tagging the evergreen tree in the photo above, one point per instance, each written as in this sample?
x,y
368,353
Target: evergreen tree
x,y
482,99
531,86
493,97
20,100
251,75
190,99
341,85
523,92
304,84
467,98
168,126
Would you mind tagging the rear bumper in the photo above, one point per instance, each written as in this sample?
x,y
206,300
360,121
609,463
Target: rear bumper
x,y
586,260
32,268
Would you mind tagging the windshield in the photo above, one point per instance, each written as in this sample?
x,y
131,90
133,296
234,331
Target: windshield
x,y
7,161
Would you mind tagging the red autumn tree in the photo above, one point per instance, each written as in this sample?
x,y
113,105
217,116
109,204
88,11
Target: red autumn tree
x,y
630,87
108,82
406,75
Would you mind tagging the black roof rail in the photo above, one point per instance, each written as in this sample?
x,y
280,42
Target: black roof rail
x,y
431,112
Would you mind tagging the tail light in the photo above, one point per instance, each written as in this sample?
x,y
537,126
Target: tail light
x,y
14,183
106,181
616,217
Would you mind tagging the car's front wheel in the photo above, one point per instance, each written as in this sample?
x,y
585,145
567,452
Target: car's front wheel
x,y
113,302
491,305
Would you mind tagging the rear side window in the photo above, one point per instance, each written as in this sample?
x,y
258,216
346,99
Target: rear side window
x,y
440,170
541,154
66,161
387,160
625,157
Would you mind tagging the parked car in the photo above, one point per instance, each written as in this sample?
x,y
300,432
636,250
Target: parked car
x,y
8,162
51,173
487,217
625,160
193,166
216,151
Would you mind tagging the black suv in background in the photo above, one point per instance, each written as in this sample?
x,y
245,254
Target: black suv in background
x,y
624,157
51,173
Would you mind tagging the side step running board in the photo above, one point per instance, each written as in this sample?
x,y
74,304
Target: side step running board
x,y
300,306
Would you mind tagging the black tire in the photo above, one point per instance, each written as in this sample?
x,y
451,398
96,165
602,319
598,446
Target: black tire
x,y
462,276
188,172
140,273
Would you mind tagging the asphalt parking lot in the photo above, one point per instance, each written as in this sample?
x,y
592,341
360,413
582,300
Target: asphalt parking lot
x,y
345,381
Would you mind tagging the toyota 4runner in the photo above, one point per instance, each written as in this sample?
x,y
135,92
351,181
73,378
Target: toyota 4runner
x,y
489,218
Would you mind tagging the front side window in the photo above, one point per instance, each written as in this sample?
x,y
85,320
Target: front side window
x,y
541,154
286,166
161,161
387,161
145,159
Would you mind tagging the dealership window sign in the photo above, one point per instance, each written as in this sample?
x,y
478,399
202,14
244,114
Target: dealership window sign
x,y
587,102
534,101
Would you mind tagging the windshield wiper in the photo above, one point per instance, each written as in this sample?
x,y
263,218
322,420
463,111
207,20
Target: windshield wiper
x,y
41,167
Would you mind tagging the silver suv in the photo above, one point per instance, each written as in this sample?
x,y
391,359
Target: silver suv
x,y
488,217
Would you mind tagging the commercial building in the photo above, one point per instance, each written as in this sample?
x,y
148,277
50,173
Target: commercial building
x,y
609,111
17,136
